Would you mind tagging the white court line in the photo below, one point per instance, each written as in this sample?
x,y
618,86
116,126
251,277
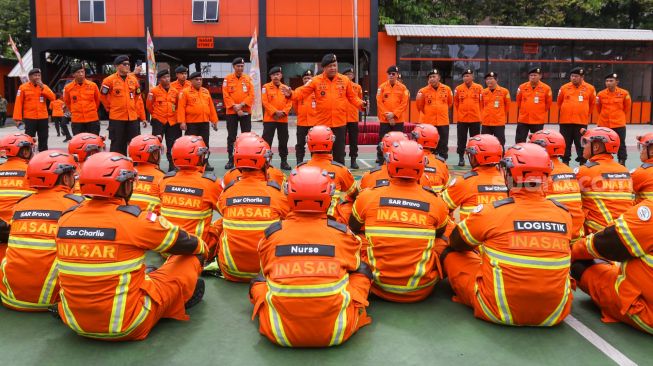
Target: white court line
x,y
598,342
365,163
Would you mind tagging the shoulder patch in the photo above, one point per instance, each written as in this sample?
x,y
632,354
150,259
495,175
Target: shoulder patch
x,y
337,225
70,209
333,162
647,165
130,209
382,183
74,197
170,174
230,184
272,229
274,184
562,206
470,174
210,176
503,202
590,164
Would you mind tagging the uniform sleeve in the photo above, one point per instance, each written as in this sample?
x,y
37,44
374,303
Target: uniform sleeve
x,y
419,101
281,204
518,97
222,203
226,95
66,97
269,108
634,229
627,103
96,95
591,101
153,232
249,99
18,105
440,213
473,230
359,208
381,110
288,106
561,96
104,94
140,107
214,193
303,92
456,102
401,108
149,102
549,99
349,184
213,117
450,97
351,252
48,93
598,102
352,96
507,102
181,108
452,195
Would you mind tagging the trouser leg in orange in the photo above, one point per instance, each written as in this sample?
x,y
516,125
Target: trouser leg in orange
x,y
359,288
169,288
462,269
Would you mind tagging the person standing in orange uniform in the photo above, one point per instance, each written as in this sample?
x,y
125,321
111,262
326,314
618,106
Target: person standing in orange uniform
x,y
495,101
436,172
248,206
162,104
353,117
275,119
401,221
238,96
305,111
576,103
483,184
31,109
189,195
28,276
623,291
434,102
606,186
392,99
58,110
313,287
181,83
467,105
14,186
145,151
562,184
643,175
613,104
101,247
334,93
523,239
534,100
379,175
82,98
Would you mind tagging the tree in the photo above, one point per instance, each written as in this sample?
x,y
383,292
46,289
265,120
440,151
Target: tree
x,y
14,21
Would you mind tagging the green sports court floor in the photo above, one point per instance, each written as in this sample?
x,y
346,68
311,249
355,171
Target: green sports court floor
x,y
435,331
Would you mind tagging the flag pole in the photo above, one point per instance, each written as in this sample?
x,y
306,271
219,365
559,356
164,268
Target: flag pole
x,y
356,41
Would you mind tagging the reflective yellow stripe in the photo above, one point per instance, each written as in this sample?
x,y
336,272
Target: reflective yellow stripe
x,y
627,237
334,202
169,239
145,198
199,229
467,209
70,318
101,269
47,290
447,199
14,193
554,318
140,318
500,293
486,310
319,290
621,277
372,259
528,261
186,214
23,304
341,320
628,196
593,225
231,264
31,243
644,195
246,225
3,264
420,269
392,232
354,213
565,197
399,289
589,244
462,226
119,303
603,209
275,319
647,328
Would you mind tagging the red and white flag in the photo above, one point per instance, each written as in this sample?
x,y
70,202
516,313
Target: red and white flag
x,y
23,72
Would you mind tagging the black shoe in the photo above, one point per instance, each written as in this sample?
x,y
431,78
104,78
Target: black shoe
x,y
58,135
198,294
461,161
566,162
354,164
622,162
209,168
378,162
54,311
66,139
284,165
229,165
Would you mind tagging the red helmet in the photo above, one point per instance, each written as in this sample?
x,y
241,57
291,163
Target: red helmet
x,y
252,152
189,151
13,143
104,172
485,148
390,138
527,163
141,148
607,136
643,142
406,160
320,139
309,189
244,135
45,168
84,145
426,135
550,140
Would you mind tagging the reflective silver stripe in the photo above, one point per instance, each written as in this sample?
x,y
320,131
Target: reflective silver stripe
x,y
528,261
555,316
466,234
246,225
37,244
101,269
321,290
565,197
399,289
48,286
140,318
169,239
119,302
341,321
184,214
624,232
275,319
68,314
12,193
390,232
23,304
500,294
609,195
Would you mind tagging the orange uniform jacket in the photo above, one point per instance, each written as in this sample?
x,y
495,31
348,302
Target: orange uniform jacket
x,y
146,193
188,198
401,219
576,103
436,173
613,107
56,106
105,292
393,99
606,189
30,274
162,104
333,98
122,98
312,295
433,104
524,239
467,102
196,106
30,102
496,104
247,207
353,114
374,177
237,90
481,185
346,188
274,101
643,181
82,100
274,174
533,103
179,86
563,187
305,110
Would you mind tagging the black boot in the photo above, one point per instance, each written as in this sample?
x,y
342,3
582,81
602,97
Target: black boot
x,y
198,294
230,163
354,164
622,162
208,167
284,165
461,160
